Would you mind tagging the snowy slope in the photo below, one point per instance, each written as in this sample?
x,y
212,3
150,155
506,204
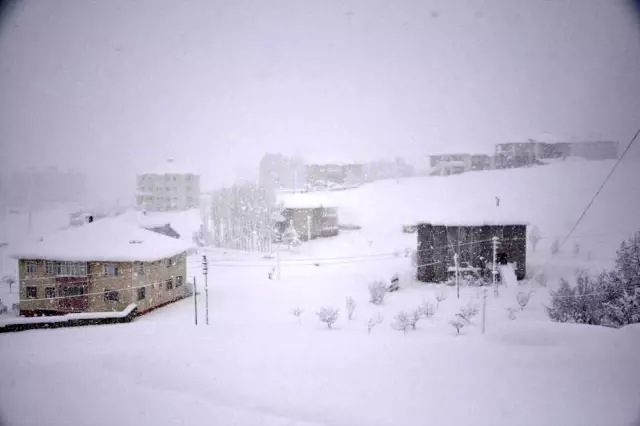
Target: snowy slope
x,y
255,364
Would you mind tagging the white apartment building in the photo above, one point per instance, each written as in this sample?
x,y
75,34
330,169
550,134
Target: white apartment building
x,y
170,188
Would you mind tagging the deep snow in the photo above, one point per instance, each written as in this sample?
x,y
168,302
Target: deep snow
x,y
256,365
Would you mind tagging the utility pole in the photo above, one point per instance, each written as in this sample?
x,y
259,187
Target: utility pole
x,y
495,266
195,300
484,308
278,259
455,260
309,228
205,272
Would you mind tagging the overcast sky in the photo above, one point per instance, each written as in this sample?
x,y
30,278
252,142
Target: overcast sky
x,y
114,87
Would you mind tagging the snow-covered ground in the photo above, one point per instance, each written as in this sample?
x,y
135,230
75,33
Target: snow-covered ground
x,y
256,364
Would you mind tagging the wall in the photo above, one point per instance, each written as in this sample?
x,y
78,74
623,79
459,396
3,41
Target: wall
x,y
126,283
168,192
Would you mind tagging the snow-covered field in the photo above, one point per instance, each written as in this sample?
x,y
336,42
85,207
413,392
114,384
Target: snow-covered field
x,y
256,364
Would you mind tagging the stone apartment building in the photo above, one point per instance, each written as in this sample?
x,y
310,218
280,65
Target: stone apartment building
x,y
170,188
101,267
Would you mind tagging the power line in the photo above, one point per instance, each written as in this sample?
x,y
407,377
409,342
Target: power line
x,y
586,209
615,166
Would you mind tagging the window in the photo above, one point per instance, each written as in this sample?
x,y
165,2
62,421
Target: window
x,y
32,292
111,295
168,262
50,268
140,268
142,293
49,292
31,267
110,269
178,281
169,284
73,269
72,291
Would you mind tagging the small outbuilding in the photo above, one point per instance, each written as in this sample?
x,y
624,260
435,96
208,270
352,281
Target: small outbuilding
x,y
473,242
312,216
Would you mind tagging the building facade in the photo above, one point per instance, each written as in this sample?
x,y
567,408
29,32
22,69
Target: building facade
x,y
170,189
325,174
310,222
59,287
437,245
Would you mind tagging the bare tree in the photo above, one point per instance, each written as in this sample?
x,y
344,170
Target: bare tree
x,y
426,309
441,296
297,312
377,292
9,280
403,321
457,323
351,307
373,321
523,298
328,315
467,312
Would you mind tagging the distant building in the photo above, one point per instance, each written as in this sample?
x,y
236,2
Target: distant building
x,y
448,164
595,150
311,217
521,154
171,188
335,173
103,266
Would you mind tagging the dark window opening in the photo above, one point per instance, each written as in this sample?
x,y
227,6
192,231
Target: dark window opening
x,y
32,292
142,293
49,292
111,295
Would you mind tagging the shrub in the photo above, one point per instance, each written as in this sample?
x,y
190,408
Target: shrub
x,y
457,323
328,315
441,296
511,313
297,312
377,292
555,247
467,312
588,302
403,321
426,309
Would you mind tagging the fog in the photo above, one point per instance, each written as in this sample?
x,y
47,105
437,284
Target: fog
x,y
114,88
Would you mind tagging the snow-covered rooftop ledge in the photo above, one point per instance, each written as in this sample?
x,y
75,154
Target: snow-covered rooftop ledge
x,y
69,317
475,223
105,240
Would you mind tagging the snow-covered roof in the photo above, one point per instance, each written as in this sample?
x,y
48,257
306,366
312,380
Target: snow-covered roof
x,y
305,200
463,211
171,166
136,217
110,239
